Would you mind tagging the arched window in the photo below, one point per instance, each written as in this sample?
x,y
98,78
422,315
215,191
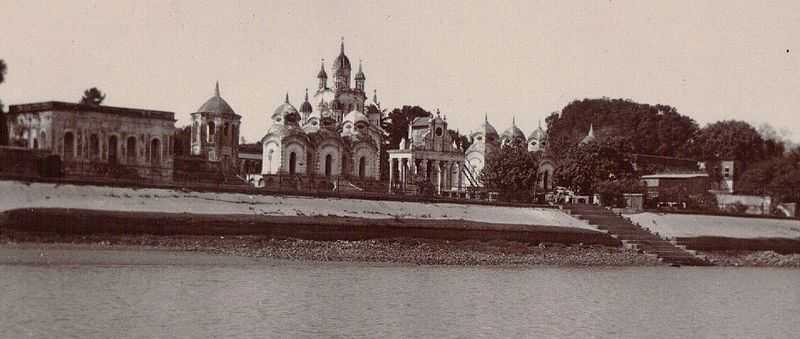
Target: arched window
x,y
292,163
196,131
155,152
546,180
69,146
269,161
362,167
112,149
226,129
35,143
328,165
94,147
211,130
130,150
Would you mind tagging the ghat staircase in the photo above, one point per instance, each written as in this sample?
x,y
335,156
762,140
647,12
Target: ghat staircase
x,y
635,237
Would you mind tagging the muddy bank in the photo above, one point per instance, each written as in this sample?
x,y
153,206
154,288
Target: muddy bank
x,y
325,228
406,251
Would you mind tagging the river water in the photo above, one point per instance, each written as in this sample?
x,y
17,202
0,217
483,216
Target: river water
x,y
110,297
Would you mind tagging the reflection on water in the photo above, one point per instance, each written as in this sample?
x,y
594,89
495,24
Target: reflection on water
x,y
281,299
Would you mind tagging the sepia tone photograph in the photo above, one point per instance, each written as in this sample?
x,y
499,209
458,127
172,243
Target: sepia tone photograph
x,y
399,169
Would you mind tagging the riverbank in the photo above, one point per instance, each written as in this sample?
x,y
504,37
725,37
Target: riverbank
x,y
402,251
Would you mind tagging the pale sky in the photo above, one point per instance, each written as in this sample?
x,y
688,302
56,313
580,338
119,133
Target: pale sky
x,y
712,60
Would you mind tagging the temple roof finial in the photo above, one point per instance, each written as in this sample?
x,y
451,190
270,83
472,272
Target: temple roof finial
x,y
306,94
342,49
216,89
513,120
485,117
375,96
287,98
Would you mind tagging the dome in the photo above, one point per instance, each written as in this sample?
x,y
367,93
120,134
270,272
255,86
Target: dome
x,y
306,107
277,128
322,74
285,109
355,116
341,65
537,134
216,104
514,132
486,128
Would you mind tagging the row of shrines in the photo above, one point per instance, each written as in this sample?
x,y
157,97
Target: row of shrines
x,y
336,132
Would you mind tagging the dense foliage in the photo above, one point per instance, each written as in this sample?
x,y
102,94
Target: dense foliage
x,y
512,172
583,166
612,191
778,177
729,140
649,129
93,96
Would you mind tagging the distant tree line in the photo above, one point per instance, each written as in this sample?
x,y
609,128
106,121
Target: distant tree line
x,y
766,162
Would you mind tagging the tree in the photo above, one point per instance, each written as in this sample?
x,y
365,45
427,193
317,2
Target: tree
x,y
512,172
93,96
777,177
612,192
584,166
729,140
462,141
651,129
396,124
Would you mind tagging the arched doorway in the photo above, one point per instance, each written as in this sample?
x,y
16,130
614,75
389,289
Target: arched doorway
x,y
546,180
69,146
94,147
112,149
130,150
328,165
292,163
362,167
155,152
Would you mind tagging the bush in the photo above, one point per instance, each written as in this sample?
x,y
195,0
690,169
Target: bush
x,y
612,191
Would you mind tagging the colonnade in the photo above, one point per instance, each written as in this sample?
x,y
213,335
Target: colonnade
x,y
445,175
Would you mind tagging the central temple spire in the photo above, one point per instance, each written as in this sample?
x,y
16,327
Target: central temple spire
x,y
342,46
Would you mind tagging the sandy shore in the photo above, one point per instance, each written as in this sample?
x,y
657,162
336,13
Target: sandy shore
x,y
405,251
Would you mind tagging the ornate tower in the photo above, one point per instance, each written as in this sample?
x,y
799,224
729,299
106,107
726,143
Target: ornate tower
x,y
341,70
306,107
322,76
360,78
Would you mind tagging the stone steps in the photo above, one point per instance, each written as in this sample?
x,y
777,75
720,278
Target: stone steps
x,y
636,237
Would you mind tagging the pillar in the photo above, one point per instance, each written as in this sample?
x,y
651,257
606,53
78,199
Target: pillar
x,y
460,175
438,167
403,174
391,174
